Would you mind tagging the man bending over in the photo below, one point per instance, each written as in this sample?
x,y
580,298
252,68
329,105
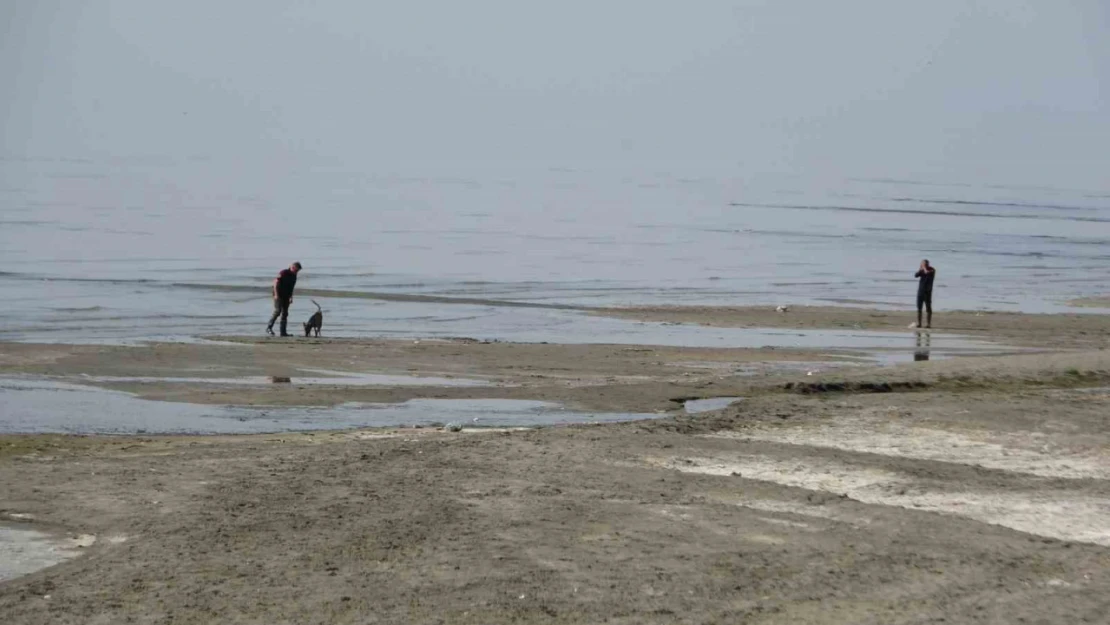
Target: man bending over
x,y
283,297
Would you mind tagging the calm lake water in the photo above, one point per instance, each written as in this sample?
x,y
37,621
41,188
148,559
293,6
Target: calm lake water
x,y
127,249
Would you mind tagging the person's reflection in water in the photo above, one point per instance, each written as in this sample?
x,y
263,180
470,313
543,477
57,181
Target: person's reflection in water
x,y
921,351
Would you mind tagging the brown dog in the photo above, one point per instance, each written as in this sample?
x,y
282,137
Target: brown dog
x,y
315,322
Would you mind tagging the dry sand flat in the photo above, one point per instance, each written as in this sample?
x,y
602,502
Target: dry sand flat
x,y
980,493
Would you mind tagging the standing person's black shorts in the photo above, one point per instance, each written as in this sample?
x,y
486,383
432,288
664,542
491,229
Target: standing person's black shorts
x,y
283,297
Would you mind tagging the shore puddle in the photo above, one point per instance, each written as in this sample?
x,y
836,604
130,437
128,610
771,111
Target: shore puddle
x,y
24,550
48,406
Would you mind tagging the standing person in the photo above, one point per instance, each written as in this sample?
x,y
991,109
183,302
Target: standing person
x,y
283,296
925,275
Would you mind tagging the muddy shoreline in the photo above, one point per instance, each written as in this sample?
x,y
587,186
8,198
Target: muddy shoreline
x,y
965,490
1055,331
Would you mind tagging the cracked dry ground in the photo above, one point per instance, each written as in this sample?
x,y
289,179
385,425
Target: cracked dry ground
x,y
963,506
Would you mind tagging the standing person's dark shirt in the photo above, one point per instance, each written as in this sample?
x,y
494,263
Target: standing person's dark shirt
x,y
285,282
924,284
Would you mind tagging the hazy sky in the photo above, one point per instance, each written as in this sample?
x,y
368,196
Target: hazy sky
x,y
999,90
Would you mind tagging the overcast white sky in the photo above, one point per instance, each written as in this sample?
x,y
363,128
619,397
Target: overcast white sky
x,y
1000,90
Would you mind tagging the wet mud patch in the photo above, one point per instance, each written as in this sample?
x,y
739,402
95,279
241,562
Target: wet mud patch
x,y
25,549
315,377
709,404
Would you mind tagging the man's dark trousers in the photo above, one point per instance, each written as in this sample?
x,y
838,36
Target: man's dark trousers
x,y
281,309
924,300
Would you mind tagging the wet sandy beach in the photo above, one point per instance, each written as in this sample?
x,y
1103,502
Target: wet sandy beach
x,y
968,488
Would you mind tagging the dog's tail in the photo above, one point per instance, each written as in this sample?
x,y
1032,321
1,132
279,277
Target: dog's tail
x,y
317,305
